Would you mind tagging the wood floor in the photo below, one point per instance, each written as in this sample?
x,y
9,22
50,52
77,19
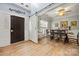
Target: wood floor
x,y
45,47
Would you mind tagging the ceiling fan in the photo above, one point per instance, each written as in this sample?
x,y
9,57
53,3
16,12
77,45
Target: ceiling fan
x,y
63,11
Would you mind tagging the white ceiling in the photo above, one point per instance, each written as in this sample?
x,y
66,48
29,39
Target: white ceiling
x,y
72,7
26,6
33,7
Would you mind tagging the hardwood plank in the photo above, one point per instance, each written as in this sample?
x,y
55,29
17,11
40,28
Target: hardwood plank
x,y
45,47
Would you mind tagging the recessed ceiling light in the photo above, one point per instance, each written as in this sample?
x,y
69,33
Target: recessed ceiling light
x,y
22,3
26,5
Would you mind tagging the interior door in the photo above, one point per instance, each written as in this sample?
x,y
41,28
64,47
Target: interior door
x,y
17,29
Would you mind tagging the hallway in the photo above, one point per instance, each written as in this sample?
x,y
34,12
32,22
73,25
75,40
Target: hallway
x,y
45,47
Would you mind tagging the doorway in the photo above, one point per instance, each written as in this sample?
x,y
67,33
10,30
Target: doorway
x,y
17,29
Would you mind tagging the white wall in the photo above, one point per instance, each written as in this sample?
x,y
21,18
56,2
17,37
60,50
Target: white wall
x,y
27,28
5,22
5,28
34,28
69,19
42,29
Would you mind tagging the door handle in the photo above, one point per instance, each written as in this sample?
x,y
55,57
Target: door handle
x,y
11,30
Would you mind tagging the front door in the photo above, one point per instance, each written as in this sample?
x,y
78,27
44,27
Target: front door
x,y
17,29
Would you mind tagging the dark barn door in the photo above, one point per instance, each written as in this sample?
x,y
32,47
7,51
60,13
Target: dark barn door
x,y
17,29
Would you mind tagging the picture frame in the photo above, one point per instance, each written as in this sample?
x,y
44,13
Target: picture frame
x,y
64,24
73,24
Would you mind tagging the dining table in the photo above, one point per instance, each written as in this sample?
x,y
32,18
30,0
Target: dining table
x,y
59,34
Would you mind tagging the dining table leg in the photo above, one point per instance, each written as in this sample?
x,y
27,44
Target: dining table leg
x,y
66,40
